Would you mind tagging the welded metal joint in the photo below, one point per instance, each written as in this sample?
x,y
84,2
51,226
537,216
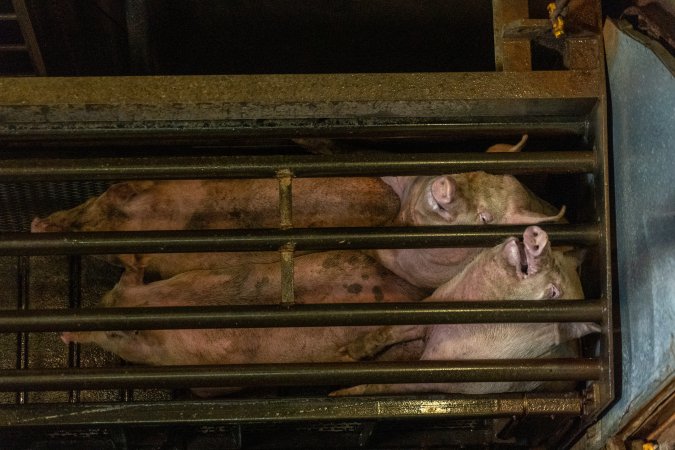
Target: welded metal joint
x,y
287,286
285,177
590,398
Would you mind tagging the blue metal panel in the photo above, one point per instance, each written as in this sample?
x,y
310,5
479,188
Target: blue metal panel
x,y
642,92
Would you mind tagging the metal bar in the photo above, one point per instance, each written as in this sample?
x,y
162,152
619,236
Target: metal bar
x,y
8,17
287,277
510,55
190,167
302,374
292,409
29,37
22,268
285,223
94,134
110,242
252,316
75,300
13,48
257,96
285,178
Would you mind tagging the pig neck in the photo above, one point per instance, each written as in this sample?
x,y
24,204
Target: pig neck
x,y
473,282
427,267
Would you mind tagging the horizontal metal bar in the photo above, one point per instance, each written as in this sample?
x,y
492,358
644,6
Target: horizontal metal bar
x,y
301,374
305,315
186,167
8,16
291,409
272,239
176,93
13,48
197,132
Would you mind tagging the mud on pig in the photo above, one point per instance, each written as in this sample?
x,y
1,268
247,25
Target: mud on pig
x,y
527,270
459,199
510,271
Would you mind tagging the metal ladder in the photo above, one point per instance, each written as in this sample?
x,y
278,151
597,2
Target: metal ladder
x,y
26,42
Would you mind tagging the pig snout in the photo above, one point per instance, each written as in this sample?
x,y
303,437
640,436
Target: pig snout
x,y
443,190
537,246
527,256
535,240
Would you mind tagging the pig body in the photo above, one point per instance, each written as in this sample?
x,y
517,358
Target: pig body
x,y
337,276
530,271
461,199
550,276
227,204
223,204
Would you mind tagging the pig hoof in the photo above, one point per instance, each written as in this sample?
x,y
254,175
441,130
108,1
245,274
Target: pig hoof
x,y
346,358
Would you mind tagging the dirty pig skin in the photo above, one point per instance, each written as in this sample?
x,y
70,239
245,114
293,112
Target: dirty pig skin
x,y
514,270
223,204
460,199
509,271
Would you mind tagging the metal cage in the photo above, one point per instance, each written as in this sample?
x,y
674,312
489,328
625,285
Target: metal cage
x,y
48,121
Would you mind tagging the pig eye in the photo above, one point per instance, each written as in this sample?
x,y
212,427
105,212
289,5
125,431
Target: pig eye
x,y
485,217
552,291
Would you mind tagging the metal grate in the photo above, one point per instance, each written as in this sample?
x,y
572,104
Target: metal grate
x,y
170,110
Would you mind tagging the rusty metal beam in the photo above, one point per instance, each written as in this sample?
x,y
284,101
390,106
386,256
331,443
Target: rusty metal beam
x,y
109,108
292,409
339,314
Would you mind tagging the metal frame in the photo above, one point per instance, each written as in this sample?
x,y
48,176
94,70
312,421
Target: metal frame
x,y
129,110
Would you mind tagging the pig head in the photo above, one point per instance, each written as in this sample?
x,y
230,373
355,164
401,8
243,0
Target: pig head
x,y
515,270
474,198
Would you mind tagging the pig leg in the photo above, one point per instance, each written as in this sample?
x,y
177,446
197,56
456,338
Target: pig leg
x,y
375,389
370,344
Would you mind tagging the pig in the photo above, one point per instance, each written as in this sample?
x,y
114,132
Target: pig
x,y
222,204
227,204
345,276
528,270
508,271
459,199
474,198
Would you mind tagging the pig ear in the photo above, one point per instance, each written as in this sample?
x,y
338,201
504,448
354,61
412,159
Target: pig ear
x,y
531,217
569,331
576,255
398,184
121,193
508,148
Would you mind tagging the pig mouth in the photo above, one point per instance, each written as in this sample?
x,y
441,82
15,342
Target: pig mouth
x,y
522,267
517,257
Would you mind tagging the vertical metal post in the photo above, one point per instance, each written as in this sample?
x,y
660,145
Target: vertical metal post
x,y
75,300
22,338
285,177
29,38
511,55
